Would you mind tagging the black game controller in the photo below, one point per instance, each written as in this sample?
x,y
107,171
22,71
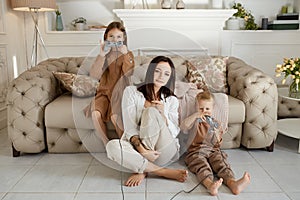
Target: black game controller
x,y
109,44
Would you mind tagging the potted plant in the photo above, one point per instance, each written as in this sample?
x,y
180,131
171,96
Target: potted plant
x,y
79,23
59,24
247,19
290,67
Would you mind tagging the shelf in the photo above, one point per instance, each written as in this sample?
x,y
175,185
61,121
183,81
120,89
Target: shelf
x,y
209,19
76,32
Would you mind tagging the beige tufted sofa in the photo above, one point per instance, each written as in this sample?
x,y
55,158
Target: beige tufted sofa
x,y
41,117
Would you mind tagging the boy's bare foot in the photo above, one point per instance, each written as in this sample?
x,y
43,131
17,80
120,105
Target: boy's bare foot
x,y
213,188
175,174
135,179
239,185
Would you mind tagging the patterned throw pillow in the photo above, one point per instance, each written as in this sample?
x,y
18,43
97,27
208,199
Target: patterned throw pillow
x,y
214,71
193,75
79,85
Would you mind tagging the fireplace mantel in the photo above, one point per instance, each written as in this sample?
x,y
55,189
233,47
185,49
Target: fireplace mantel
x,y
185,29
208,19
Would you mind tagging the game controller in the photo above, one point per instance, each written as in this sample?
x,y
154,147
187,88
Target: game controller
x,y
109,44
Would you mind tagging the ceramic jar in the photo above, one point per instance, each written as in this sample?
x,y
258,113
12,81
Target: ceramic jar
x,y
80,26
166,4
233,23
180,4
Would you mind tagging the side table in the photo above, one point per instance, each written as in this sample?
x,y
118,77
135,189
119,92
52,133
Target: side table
x,y
289,126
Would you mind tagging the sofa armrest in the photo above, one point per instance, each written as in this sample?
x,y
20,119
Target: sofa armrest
x,y
259,93
27,98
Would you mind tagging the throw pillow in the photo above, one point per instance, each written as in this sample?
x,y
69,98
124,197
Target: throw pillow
x,y
193,75
79,85
213,70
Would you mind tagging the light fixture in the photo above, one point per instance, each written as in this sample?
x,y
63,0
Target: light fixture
x,y
34,7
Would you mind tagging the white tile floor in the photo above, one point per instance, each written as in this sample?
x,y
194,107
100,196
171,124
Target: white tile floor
x,y
46,176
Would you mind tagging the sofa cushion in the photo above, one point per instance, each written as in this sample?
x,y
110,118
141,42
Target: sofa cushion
x,y
193,75
213,69
66,112
237,111
79,85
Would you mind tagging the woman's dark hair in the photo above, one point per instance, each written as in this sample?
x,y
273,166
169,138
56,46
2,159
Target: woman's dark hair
x,y
147,87
117,25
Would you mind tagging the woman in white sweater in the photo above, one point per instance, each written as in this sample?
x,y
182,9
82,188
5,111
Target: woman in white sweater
x,y
150,118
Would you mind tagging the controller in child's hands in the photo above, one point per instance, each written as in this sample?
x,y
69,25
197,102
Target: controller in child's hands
x,y
109,44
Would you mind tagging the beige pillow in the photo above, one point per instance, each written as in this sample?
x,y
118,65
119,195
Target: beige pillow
x,y
79,85
193,75
214,71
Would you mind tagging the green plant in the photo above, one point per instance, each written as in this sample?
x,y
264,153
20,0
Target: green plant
x,y
78,20
246,15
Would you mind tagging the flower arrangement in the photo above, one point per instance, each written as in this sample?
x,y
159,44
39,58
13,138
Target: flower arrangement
x,y
290,66
57,12
78,20
246,15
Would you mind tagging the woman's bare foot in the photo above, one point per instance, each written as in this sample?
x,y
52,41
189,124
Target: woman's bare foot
x,y
175,174
214,187
135,179
238,186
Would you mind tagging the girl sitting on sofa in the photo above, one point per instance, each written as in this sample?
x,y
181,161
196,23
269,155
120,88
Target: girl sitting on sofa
x,y
113,62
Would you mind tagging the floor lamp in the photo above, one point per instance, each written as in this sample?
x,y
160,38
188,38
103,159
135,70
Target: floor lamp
x,y
34,7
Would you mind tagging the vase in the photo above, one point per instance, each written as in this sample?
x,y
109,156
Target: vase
x,y
180,4
166,4
59,24
242,23
80,26
294,90
233,24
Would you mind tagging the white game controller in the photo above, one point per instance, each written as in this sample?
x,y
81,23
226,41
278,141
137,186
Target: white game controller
x,y
108,45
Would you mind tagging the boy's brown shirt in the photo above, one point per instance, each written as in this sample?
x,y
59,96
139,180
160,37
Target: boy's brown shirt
x,y
204,136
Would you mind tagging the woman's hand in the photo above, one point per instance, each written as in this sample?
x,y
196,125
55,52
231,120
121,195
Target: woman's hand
x,y
158,105
150,155
147,104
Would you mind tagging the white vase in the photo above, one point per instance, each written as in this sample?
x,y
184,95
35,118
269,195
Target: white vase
x,y
242,23
233,24
80,26
180,4
166,4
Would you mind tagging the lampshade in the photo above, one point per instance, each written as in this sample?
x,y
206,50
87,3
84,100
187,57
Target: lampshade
x,y
40,5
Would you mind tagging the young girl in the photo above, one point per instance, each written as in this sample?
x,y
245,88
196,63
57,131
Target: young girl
x,y
150,118
204,156
113,62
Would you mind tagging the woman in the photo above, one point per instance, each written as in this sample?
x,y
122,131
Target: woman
x,y
150,118
113,62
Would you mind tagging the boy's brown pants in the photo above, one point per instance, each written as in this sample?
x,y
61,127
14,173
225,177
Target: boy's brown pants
x,y
205,162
